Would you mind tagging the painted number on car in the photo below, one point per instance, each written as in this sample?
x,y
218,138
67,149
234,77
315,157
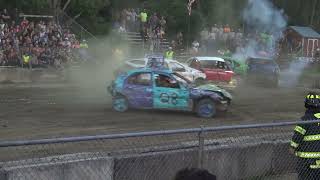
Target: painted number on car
x,y
166,98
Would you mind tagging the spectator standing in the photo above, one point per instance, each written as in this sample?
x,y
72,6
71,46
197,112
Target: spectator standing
x,y
143,19
154,21
195,47
128,24
163,23
169,53
5,16
26,57
180,40
226,29
133,18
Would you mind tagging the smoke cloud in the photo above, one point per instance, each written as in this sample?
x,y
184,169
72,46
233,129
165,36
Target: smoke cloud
x,y
264,17
290,77
261,16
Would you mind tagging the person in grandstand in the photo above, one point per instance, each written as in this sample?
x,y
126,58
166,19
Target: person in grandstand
x,y
305,142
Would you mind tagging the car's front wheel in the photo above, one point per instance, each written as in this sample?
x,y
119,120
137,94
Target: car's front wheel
x,y
120,103
206,108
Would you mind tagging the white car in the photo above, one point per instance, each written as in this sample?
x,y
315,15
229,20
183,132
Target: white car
x,y
191,74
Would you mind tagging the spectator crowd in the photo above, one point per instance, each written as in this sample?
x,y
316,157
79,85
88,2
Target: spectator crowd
x,y
40,42
224,40
152,27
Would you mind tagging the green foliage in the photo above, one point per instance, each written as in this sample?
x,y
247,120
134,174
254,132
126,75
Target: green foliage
x,y
97,15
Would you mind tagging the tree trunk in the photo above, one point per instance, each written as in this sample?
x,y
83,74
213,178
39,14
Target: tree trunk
x,y
314,4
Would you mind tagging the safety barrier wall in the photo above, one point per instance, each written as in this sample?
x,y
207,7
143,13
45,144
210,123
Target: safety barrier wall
x,y
230,152
25,75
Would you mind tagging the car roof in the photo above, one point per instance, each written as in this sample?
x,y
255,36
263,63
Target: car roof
x,y
207,58
166,71
146,59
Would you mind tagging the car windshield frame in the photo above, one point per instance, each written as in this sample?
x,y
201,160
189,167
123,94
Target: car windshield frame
x,y
187,81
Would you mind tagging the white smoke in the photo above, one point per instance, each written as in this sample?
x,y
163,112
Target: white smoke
x,y
261,16
290,77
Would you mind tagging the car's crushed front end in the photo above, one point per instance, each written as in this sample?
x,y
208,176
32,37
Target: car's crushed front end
x,y
221,97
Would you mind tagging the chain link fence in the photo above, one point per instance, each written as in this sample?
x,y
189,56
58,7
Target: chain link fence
x,y
232,152
70,23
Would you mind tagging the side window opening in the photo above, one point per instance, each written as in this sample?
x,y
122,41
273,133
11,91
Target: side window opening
x,y
142,79
166,81
195,64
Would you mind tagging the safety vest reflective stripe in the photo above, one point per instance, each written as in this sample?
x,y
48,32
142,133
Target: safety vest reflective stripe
x,y
315,137
294,144
314,166
300,130
26,58
308,154
313,96
84,45
317,115
169,54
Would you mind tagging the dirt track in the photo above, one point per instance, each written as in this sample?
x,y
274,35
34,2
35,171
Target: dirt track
x,y
46,112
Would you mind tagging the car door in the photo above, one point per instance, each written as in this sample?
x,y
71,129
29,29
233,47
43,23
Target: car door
x,y
138,89
168,93
210,69
224,71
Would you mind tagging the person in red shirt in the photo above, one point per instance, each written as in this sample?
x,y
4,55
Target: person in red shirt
x,y
24,23
226,29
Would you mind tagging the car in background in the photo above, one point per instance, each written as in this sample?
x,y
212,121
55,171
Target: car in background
x,y
191,74
238,66
263,70
215,68
147,88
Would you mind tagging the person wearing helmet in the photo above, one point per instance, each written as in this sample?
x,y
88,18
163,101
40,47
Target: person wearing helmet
x,y
305,142
169,53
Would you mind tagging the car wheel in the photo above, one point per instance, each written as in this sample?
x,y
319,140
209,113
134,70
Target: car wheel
x,y
199,81
120,104
206,108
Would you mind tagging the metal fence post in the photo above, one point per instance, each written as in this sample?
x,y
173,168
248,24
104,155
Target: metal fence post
x,y
201,148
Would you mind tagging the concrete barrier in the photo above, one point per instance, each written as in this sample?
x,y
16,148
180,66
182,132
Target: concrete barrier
x,y
227,162
232,162
89,166
24,75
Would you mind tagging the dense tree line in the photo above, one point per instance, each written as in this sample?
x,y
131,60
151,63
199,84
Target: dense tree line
x,y
97,15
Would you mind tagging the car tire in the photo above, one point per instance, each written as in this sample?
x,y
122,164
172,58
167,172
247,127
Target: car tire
x,y
206,108
199,81
120,104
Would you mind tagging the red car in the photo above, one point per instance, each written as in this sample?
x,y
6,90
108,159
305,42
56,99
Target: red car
x,y
215,68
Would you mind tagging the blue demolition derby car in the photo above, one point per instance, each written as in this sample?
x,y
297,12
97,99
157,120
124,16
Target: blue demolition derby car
x,y
153,88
